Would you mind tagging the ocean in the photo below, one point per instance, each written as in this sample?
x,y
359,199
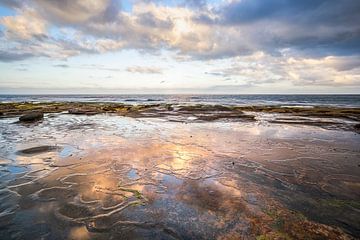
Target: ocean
x,y
244,100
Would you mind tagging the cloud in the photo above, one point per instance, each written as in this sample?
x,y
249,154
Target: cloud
x,y
319,26
89,66
11,57
302,42
22,69
263,69
61,65
144,70
220,74
26,25
342,63
11,3
234,28
77,11
99,67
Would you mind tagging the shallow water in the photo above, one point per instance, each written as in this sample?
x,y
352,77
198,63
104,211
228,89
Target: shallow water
x,y
111,177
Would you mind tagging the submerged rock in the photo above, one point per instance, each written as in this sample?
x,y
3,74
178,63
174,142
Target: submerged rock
x,y
31,117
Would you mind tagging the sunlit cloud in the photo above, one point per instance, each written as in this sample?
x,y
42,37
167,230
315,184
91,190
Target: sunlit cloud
x,y
252,42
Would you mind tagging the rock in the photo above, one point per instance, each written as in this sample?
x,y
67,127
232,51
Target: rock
x,y
38,150
31,117
357,126
78,111
169,107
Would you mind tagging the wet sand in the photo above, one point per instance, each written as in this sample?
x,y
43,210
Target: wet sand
x,y
199,173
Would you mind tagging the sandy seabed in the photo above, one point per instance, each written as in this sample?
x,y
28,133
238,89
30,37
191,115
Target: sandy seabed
x,y
114,177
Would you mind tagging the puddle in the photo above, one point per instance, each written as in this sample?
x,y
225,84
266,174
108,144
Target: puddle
x,y
132,174
67,151
16,169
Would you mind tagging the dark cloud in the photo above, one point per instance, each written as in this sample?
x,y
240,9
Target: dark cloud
x,y
11,57
323,27
11,3
325,12
246,11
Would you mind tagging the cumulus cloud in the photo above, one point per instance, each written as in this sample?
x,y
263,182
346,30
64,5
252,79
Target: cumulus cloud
x,y
309,41
77,11
25,25
260,68
229,29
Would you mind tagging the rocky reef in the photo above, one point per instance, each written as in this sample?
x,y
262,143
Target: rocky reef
x,y
326,117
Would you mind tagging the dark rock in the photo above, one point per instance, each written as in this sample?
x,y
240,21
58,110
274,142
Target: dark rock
x,y
78,111
32,117
169,107
357,126
204,108
38,150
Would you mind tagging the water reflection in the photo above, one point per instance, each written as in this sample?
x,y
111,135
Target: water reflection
x,y
104,177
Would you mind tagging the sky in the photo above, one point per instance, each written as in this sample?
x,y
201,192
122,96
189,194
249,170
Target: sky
x,y
179,46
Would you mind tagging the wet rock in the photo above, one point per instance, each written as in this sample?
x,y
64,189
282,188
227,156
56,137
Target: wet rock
x,y
79,111
225,115
32,117
37,150
72,210
204,108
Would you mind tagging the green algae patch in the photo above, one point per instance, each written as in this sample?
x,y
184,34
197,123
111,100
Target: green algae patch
x,y
137,194
274,236
338,203
28,106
